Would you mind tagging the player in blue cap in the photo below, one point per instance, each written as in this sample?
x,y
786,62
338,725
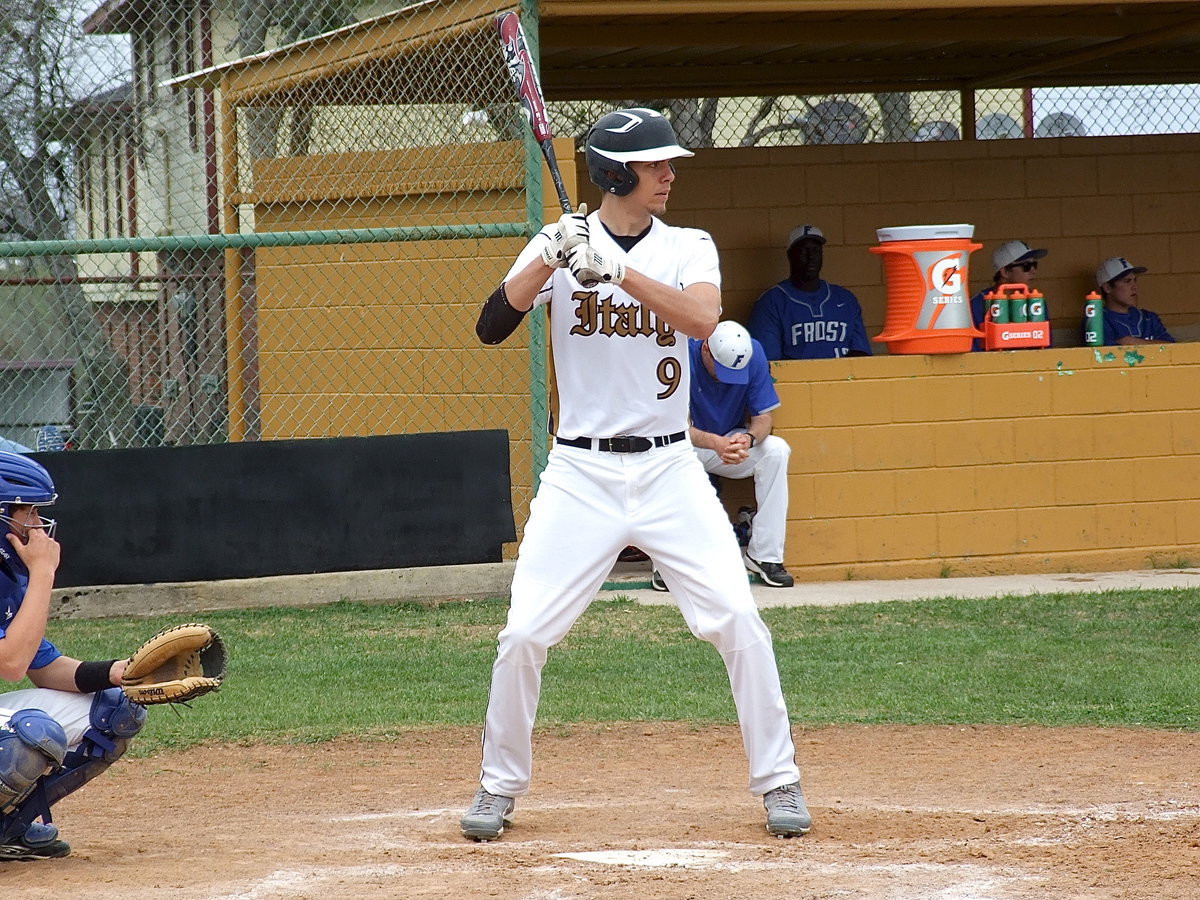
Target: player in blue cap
x,y
732,397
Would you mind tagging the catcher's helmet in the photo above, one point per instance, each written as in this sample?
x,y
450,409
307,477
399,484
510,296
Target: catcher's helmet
x,y
23,480
624,136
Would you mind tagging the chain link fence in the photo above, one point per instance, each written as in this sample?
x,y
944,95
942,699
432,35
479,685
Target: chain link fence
x,y
296,245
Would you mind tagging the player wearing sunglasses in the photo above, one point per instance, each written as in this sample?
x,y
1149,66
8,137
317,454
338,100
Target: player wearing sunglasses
x,y
1013,262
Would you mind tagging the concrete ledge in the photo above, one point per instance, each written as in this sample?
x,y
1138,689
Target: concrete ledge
x,y
423,584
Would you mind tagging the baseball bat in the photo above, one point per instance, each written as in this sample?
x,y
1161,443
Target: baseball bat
x,y
529,91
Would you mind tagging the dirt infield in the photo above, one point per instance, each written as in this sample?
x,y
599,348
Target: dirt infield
x,y
645,811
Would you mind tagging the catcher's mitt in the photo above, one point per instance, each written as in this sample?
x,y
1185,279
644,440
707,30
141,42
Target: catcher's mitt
x,y
177,664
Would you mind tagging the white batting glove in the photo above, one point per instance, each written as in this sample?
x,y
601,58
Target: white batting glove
x,y
591,269
559,237
551,239
574,228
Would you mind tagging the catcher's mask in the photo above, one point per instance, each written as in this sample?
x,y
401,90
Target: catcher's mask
x,y
625,136
25,482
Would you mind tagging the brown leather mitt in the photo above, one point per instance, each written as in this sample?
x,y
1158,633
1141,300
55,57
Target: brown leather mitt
x,y
176,665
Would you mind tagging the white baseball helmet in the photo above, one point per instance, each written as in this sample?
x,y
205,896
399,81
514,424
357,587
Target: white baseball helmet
x,y
731,350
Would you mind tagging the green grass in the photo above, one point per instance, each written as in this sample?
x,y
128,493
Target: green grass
x,y
1119,658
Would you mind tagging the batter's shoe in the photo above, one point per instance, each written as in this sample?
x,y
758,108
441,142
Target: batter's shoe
x,y
656,581
773,574
787,816
39,842
488,815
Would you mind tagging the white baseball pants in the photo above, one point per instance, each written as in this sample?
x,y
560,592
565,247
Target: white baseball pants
x,y
768,464
72,711
589,506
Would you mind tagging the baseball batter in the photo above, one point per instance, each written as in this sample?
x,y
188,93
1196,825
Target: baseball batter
x,y
625,289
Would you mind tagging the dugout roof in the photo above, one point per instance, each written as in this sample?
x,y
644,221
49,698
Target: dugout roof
x,y
602,49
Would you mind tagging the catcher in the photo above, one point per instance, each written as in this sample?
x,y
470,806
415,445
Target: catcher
x,y
78,719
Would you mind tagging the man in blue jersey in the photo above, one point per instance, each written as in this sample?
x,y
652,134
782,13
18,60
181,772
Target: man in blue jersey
x,y
732,396
1124,321
74,722
804,317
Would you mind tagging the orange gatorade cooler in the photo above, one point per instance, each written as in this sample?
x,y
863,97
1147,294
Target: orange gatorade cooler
x,y
928,307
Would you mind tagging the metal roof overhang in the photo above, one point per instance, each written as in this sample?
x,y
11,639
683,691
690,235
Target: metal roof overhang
x,y
602,49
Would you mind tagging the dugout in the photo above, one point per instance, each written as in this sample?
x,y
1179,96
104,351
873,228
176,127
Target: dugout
x,y
1038,460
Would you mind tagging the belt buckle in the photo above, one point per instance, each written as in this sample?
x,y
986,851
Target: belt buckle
x,y
625,443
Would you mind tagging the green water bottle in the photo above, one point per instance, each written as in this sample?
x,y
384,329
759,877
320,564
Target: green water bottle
x,y
996,302
1018,310
1093,320
1037,306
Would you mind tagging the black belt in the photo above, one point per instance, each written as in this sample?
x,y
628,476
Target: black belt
x,y
623,443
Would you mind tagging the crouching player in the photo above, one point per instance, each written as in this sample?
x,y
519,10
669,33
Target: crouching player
x,y
74,723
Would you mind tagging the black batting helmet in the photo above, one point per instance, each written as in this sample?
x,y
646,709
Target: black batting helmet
x,y
624,136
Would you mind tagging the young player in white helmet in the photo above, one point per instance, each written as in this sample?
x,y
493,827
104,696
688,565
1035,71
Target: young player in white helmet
x,y
622,471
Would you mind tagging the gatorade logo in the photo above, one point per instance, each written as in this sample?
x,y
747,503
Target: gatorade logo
x,y
945,275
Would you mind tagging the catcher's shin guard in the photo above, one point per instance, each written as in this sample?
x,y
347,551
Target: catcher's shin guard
x,y
115,720
32,744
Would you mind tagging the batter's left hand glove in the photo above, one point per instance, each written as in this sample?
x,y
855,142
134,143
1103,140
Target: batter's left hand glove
x,y
177,664
591,269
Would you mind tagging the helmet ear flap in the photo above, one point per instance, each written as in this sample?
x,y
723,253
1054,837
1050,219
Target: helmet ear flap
x,y
611,177
621,181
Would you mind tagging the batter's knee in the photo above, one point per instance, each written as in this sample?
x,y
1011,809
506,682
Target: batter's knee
x,y
739,628
523,646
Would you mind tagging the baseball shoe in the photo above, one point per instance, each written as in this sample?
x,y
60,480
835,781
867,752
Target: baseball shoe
x,y
787,816
656,581
773,574
632,554
39,842
488,815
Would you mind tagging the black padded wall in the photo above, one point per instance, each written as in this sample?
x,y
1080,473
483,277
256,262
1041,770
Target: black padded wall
x,y
243,510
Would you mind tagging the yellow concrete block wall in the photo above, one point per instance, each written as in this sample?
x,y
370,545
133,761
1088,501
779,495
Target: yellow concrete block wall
x,y
970,464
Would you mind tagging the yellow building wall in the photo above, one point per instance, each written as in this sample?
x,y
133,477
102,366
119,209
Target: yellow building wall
x,y
986,463
902,466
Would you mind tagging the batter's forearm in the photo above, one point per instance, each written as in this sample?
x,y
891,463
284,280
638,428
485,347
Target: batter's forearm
x,y
695,310
507,305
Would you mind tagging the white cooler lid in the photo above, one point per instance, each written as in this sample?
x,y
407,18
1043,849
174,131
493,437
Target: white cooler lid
x,y
924,232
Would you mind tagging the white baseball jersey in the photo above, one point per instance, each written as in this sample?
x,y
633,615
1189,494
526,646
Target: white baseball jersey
x,y
619,368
